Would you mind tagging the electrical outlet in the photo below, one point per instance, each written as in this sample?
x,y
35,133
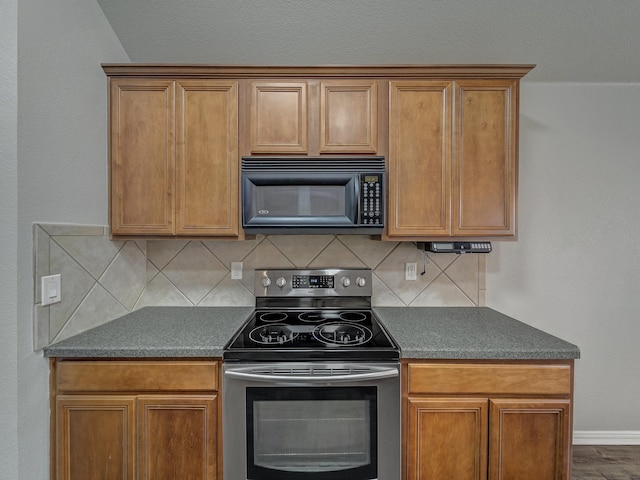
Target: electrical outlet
x,y
410,270
51,289
236,270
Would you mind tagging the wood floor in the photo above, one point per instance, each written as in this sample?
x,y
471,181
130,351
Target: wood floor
x,y
610,462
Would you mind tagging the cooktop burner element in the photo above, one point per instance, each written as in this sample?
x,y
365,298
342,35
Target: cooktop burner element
x,y
312,314
273,316
313,317
273,334
353,316
341,333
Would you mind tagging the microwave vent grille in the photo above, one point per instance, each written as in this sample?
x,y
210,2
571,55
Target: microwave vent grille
x,y
344,164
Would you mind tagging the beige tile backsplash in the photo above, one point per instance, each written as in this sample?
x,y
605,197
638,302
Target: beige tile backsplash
x,y
104,279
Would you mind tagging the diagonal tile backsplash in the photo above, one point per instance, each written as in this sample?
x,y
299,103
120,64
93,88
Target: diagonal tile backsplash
x,y
104,279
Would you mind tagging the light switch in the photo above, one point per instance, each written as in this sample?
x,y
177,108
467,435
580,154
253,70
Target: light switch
x,y
51,289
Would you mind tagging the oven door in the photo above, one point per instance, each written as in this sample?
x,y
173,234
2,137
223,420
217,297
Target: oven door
x,y
328,421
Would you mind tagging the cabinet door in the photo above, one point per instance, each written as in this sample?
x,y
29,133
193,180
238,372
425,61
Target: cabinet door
x,y
485,157
142,153
348,116
177,437
207,158
529,440
95,437
419,158
279,118
446,439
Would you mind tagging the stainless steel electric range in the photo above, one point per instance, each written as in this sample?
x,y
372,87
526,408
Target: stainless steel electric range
x,y
311,385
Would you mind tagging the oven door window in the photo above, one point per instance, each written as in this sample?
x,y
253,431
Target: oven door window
x,y
312,433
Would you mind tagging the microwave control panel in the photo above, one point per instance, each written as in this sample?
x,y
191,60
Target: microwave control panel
x,y
371,200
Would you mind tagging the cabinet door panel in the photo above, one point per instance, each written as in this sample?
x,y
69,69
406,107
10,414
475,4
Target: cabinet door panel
x,y
207,158
447,439
419,158
485,158
348,117
95,437
529,440
177,437
142,157
279,118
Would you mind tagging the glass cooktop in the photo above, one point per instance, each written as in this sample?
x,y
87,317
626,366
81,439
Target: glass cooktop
x,y
292,334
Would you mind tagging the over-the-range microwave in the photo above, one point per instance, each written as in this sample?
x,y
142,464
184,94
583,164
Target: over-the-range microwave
x,y
313,195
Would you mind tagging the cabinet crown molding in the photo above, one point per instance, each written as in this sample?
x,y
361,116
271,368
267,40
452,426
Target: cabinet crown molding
x,y
515,71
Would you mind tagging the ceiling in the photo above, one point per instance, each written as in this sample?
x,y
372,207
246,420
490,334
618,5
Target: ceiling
x,y
569,40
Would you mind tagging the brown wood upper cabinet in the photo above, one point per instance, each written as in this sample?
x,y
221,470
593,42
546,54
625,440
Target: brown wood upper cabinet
x,y
419,162
174,157
348,116
449,133
453,148
279,117
485,151
311,117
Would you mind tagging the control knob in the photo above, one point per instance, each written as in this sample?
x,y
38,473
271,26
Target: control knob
x,y
281,282
266,281
361,281
346,282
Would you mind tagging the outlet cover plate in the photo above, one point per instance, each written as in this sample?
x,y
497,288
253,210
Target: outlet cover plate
x,y
410,271
236,270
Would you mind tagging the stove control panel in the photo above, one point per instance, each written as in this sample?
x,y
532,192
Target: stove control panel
x,y
313,281
329,282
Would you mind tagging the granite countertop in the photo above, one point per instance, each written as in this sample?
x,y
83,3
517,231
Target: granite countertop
x,y
158,332
429,333
470,333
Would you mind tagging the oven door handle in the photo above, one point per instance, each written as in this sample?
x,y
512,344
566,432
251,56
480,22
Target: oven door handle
x,y
349,377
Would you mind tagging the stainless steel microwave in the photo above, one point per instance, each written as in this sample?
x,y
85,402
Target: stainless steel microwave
x,y
313,195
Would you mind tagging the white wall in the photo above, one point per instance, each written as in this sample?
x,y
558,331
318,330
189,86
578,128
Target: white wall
x,y
62,169
575,269
8,238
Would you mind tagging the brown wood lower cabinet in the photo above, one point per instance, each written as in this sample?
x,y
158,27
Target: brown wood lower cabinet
x,y
487,421
447,438
159,420
529,439
95,437
151,420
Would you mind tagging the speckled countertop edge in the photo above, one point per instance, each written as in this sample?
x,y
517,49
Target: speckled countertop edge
x,y
421,333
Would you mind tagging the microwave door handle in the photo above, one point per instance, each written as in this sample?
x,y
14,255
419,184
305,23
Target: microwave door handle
x,y
355,377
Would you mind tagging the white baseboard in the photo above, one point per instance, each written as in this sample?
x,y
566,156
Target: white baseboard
x,y
625,437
